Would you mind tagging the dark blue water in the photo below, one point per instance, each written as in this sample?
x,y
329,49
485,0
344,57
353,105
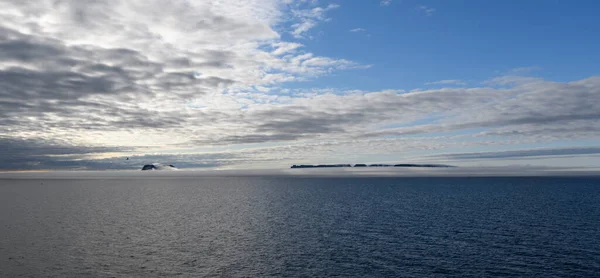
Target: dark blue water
x,y
301,227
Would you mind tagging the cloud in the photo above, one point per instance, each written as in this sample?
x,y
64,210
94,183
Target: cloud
x,y
309,18
303,27
524,153
428,11
182,76
537,107
354,123
523,70
41,153
385,3
285,47
447,82
358,30
75,69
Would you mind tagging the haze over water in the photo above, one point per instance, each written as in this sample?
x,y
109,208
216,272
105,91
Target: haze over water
x,y
294,226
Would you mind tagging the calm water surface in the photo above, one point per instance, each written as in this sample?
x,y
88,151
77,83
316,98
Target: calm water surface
x,y
300,227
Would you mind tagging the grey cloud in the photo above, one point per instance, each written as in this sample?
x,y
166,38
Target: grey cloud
x,y
552,105
302,121
576,129
130,68
542,104
49,154
53,163
552,124
26,51
347,113
35,147
524,153
134,162
30,154
209,58
286,124
181,161
246,139
66,84
68,79
52,85
213,64
214,81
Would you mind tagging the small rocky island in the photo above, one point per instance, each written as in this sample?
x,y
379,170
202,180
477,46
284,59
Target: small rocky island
x,y
322,166
158,166
373,165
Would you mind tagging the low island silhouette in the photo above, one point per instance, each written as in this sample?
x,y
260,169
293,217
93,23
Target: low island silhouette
x,y
158,166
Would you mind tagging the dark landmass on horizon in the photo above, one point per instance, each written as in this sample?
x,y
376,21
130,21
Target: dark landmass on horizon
x,y
373,165
154,167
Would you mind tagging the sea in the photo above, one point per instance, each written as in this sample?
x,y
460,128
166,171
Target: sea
x,y
291,226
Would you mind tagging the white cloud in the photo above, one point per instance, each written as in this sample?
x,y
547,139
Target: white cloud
x,y
301,28
309,18
447,82
426,10
385,3
285,47
524,70
358,30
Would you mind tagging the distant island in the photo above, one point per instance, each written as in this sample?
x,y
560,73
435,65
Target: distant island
x,y
373,165
158,166
322,166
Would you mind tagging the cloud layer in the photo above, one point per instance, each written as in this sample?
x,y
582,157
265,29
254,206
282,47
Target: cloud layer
x,y
85,83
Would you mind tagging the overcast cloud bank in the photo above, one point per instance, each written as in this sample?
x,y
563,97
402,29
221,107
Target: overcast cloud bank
x,y
203,84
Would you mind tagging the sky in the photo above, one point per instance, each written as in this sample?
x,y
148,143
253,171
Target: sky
x,y
264,84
